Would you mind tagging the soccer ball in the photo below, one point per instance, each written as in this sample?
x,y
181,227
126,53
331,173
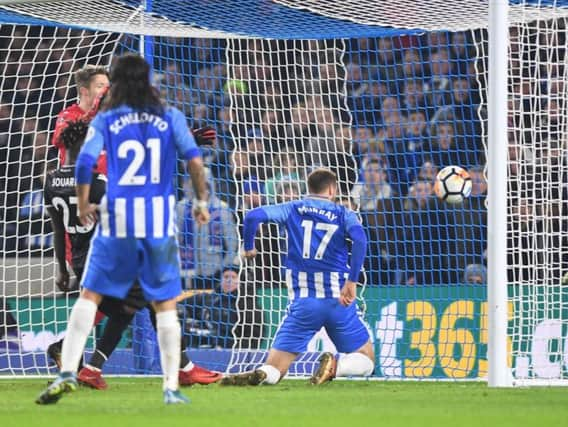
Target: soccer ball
x,y
453,185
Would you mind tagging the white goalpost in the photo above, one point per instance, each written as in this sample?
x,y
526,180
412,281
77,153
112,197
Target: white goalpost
x,y
385,94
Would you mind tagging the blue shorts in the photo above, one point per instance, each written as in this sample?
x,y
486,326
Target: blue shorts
x,y
306,316
114,264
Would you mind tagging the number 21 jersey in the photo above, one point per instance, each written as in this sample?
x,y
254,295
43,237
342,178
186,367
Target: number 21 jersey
x,y
142,151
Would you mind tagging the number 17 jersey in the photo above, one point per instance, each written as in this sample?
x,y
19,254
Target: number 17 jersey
x,y
317,232
142,151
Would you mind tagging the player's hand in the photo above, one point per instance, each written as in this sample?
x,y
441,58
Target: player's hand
x,y
62,281
348,293
87,214
249,254
201,212
205,136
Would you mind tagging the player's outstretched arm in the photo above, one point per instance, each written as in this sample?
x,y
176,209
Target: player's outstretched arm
x,y
199,181
62,279
252,220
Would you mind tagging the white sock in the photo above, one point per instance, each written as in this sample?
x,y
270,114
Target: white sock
x,y
188,367
354,364
272,374
169,335
78,329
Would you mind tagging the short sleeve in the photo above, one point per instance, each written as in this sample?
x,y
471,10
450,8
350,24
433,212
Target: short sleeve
x,y
184,140
98,188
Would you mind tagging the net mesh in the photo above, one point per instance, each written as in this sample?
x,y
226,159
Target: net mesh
x,y
384,108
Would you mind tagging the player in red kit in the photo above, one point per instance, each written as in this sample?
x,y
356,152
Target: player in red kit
x,y
91,82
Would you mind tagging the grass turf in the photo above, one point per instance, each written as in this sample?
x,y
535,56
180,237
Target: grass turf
x,y
138,403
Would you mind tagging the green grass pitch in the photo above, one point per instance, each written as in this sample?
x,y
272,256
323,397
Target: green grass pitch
x,y
136,402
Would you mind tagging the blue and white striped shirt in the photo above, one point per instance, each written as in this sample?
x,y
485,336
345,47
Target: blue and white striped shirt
x,y
142,151
317,263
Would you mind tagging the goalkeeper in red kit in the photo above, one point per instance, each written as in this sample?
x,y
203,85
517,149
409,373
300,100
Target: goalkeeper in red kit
x,y
92,82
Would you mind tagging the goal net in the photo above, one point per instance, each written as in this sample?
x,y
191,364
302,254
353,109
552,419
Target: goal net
x,y
383,93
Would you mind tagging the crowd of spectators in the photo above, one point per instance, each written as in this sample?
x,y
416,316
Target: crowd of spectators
x,y
384,113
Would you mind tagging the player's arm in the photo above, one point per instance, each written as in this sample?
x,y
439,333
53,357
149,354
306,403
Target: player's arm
x,y
87,158
189,151
60,125
276,213
358,250
62,279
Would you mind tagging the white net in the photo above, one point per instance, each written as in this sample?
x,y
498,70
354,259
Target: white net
x,y
290,86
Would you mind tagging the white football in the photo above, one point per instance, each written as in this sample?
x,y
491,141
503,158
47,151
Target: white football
x,y
453,185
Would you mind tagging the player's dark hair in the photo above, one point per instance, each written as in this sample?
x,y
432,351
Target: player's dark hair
x,y
320,179
73,137
130,77
84,75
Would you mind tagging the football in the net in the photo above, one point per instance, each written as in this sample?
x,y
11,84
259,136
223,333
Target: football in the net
x,y
453,185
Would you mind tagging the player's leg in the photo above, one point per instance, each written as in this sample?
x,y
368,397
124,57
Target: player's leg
x,y
54,349
350,335
303,319
119,315
190,373
78,328
109,259
277,364
161,282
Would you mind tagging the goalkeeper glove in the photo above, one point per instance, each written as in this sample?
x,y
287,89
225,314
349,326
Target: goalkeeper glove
x,y
96,105
205,136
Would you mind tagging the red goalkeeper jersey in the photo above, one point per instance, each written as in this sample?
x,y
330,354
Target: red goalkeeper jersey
x,y
69,114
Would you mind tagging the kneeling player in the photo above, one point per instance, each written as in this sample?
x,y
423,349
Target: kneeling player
x,y
61,206
323,285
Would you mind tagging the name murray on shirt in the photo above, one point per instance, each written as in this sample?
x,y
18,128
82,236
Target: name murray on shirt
x,y
318,211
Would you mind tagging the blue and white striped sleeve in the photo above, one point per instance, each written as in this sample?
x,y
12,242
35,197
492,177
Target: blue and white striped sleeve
x,y
184,140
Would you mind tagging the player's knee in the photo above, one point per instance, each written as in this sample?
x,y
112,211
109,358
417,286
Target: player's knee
x,y
355,364
368,350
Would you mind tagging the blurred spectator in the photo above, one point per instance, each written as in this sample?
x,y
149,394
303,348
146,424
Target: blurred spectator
x,y
375,185
440,71
447,144
415,98
208,318
412,65
388,60
424,238
415,130
286,171
475,274
428,171
206,251
361,136
462,52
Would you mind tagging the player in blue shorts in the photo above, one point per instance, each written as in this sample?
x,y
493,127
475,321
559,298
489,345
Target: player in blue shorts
x,y
321,282
134,237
